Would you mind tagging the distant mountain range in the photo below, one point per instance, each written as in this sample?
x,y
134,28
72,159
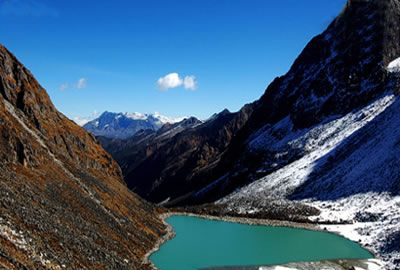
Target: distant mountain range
x,y
124,125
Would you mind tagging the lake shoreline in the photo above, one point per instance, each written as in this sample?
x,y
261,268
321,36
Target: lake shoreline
x,y
170,233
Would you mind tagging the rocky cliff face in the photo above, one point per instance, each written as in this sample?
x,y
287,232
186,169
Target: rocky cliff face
x,y
63,203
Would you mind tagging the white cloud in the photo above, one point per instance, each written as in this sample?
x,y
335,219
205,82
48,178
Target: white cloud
x,y
190,82
82,120
174,80
81,84
169,81
64,86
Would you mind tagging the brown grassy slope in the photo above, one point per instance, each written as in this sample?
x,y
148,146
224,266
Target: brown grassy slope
x,y
63,203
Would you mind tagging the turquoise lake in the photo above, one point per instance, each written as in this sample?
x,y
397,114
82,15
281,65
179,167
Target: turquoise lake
x,y
201,243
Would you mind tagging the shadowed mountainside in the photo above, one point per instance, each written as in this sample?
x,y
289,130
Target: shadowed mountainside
x,y
172,169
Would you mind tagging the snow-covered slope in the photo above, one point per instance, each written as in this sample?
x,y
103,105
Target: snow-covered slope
x,y
349,169
125,125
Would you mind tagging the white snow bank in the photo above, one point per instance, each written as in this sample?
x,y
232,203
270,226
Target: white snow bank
x,y
372,264
394,66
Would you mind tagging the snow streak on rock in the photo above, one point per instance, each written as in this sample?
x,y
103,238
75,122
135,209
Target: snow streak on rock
x,y
394,66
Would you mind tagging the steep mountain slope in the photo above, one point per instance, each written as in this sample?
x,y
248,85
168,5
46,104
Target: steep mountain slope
x,y
63,203
349,171
125,125
171,168
129,153
339,71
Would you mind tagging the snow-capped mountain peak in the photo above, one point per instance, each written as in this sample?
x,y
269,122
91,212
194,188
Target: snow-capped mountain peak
x,y
124,125
166,119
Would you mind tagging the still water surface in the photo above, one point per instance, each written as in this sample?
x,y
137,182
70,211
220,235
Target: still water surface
x,y
201,243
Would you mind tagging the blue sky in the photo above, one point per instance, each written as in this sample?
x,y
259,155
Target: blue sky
x,y
114,55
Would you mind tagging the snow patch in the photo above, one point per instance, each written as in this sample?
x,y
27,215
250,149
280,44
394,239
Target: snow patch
x,y
145,116
394,66
14,236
